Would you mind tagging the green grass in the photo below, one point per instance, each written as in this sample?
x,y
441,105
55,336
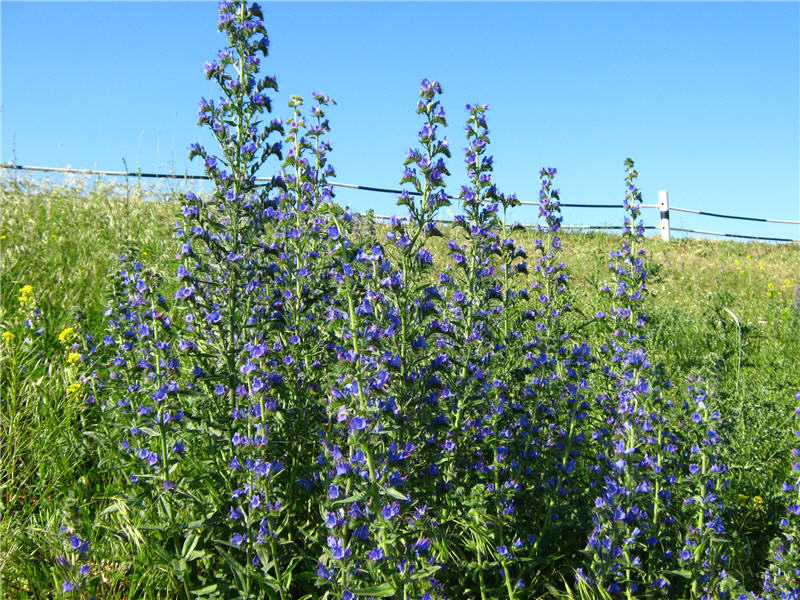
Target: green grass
x,y
726,310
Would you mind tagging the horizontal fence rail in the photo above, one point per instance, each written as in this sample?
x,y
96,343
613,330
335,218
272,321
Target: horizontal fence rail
x,y
663,203
351,186
711,214
733,235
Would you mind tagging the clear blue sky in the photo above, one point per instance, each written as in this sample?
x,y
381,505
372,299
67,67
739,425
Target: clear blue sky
x,y
703,95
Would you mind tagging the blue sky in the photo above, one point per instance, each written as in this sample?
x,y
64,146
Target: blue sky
x,y
705,96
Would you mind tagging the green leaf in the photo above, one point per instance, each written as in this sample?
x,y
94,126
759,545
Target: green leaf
x,y
179,566
351,499
206,591
189,545
384,590
236,568
395,494
685,573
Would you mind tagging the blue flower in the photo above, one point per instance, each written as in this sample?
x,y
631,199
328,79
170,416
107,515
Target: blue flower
x,y
390,511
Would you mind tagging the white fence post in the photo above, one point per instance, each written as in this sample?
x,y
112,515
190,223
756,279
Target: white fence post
x,y
663,206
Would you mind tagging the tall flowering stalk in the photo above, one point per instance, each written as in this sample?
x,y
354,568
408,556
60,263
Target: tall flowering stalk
x,y
226,230
702,555
305,294
782,578
143,419
143,372
474,271
425,170
376,541
630,516
416,300
480,474
228,272
555,384
378,536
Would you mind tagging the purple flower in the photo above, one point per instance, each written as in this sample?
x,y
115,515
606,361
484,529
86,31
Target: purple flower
x,y
79,545
210,67
390,511
357,424
336,545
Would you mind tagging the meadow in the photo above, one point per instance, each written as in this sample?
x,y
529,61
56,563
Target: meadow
x,y
63,238
255,393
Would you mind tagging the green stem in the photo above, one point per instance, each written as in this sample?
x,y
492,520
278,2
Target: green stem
x,y
481,584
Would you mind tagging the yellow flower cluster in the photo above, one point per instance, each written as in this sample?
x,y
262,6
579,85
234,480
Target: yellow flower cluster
x,y
26,299
66,336
772,290
73,358
756,501
760,264
8,337
75,390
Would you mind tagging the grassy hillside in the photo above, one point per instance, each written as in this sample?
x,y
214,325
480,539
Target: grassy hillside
x,y
63,239
729,311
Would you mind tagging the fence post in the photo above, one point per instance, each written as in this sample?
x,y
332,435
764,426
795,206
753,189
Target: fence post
x,y
663,206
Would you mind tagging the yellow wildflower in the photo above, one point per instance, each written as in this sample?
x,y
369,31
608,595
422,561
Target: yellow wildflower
x,y
75,390
26,299
758,502
8,337
66,336
73,358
